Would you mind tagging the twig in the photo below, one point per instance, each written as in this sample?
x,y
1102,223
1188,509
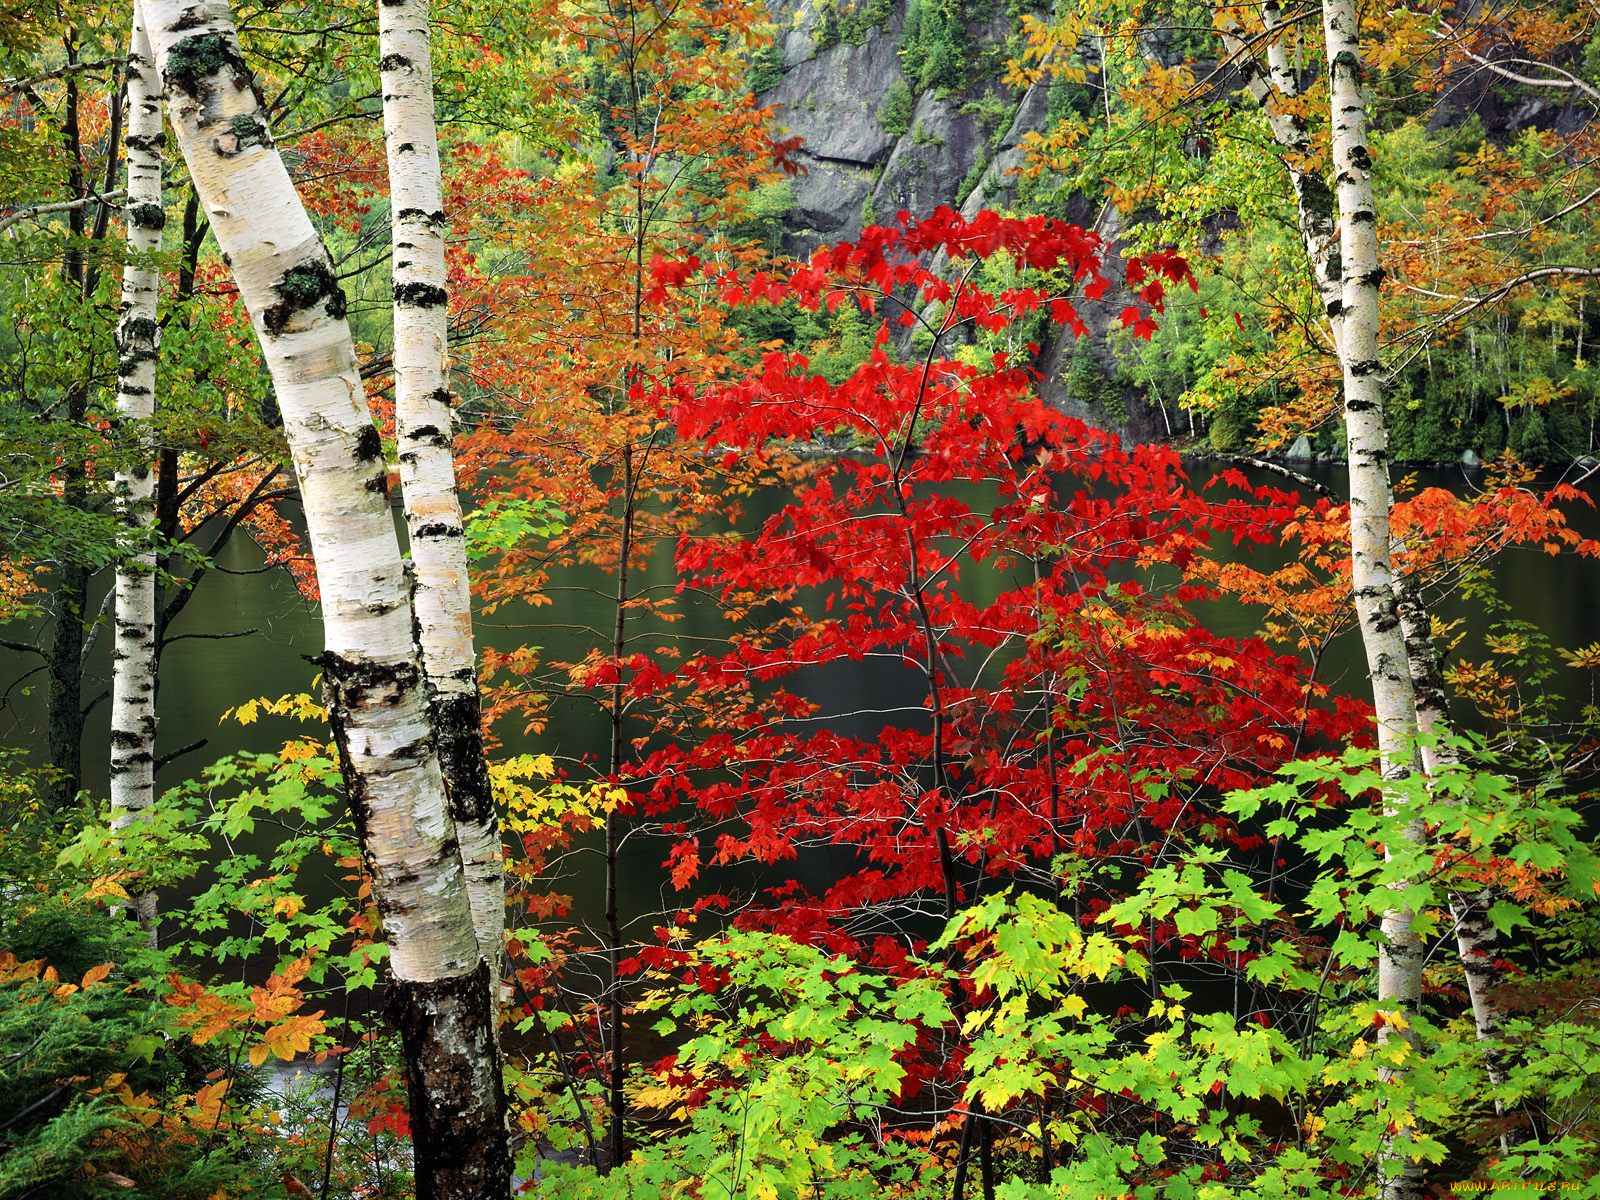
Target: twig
x,y
59,206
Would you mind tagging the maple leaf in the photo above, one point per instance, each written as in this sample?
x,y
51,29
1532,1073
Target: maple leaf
x,y
287,1038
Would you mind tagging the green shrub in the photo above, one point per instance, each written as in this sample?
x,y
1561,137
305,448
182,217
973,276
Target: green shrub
x,y
895,112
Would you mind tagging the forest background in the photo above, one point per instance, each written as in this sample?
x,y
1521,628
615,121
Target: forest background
x,y
784,340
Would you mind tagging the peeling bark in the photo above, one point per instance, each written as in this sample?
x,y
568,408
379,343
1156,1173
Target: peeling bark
x,y
463,1080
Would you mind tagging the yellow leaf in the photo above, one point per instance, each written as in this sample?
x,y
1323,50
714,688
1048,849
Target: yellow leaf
x,y
106,886
289,906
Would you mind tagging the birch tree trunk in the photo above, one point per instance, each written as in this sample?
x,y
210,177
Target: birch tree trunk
x,y
439,995
133,680
1371,501
1477,941
423,422
1274,85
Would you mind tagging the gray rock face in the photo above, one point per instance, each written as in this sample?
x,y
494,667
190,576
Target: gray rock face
x,y
929,164
1470,459
960,149
1299,450
832,100
854,168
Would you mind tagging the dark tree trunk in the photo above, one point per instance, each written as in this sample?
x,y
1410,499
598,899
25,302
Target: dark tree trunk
x,y
65,720
458,1121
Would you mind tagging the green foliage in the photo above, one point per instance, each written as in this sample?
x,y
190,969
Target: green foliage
x,y
799,1051
85,1062
764,219
1086,382
787,1057
88,1066
993,112
895,113
261,879
973,178
504,522
766,68
840,23
932,51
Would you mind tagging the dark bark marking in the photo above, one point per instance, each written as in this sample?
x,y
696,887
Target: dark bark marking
x,y
147,216
458,1131
301,288
416,214
420,295
428,435
246,131
438,530
194,62
369,445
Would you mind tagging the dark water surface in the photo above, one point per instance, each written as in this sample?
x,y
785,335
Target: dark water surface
x,y
202,677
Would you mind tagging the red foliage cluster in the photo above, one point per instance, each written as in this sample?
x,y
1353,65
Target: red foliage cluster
x,y
1024,576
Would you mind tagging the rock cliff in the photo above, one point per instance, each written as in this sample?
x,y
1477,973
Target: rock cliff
x,y
879,138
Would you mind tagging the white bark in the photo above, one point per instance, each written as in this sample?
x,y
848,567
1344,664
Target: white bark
x,y
133,681
1371,502
1477,941
1274,87
441,997
285,279
423,422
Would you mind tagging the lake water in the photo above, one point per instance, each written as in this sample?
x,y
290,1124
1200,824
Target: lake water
x,y
203,677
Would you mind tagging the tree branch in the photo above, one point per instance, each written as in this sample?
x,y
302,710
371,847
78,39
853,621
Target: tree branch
x,y
1289,473
1567,81
174,755
1470,304
59,206
27,84
207,637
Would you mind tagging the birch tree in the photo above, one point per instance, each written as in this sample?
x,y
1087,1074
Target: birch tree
x,y
1276,89
133,684
1371,501
1477,941
1273,82
423,421
440,993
